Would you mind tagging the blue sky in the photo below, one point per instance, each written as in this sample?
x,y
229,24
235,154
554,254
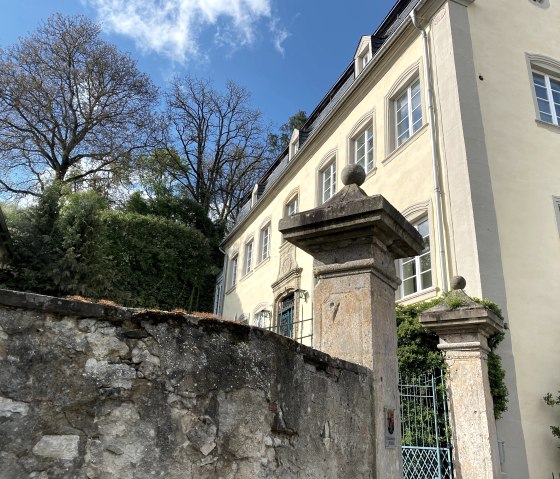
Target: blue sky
x,y
287,53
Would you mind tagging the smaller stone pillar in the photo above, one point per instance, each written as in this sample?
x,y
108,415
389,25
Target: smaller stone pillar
x,y
464,327
354,240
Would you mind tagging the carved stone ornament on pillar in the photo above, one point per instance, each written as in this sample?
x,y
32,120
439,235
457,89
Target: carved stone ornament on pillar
x,y
354,240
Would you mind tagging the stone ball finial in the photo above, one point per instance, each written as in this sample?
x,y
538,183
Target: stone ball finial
x,y
458,282
353,174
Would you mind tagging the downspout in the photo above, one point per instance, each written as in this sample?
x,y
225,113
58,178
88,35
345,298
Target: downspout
x,y
435,163
220,308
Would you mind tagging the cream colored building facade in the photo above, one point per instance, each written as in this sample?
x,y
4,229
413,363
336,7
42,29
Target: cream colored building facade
x,y
473,162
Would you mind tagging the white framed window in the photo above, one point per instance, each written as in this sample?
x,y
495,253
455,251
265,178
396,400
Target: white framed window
x,y
233,271
416,272
547,93
365,58
327,179
265,242
218,296
294,144
248,257
407,112
292,206
556,201
363,54
362,146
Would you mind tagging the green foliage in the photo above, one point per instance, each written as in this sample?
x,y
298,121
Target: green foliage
x,y
417,347
418,353
277,142
36,245
553,401
76,245
498,388
85,263
158,262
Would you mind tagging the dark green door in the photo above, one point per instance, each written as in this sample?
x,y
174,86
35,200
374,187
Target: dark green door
x,y
286,316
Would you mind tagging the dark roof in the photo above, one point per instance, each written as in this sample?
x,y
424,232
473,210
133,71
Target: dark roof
x,y
400,11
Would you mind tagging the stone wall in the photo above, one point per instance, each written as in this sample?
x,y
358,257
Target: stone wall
x,y
93,391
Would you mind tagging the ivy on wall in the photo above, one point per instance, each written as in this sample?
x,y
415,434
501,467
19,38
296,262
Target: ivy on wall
x,y
417,347
553,401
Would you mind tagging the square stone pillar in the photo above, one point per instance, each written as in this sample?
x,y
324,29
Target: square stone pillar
x,y
463,333
354,240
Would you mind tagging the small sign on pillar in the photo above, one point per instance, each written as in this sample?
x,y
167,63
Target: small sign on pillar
x,y
390,436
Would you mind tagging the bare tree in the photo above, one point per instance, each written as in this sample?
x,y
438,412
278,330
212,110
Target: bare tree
x,y
71,107
217,143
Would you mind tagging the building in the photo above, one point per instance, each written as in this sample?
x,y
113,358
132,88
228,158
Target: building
x,y
453,109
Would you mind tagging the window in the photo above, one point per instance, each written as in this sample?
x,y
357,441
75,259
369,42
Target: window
x,y
327,178
408,113
294,144
363,149
265,242
365,58
556,201
363,54
292,206
249,257
547,92
233,271
262,319
416,272
218,297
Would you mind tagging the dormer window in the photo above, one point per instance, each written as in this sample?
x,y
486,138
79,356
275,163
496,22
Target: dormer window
x,y
363,54
365,58
294,143
255,195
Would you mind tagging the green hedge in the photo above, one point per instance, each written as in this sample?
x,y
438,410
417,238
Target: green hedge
x,y
77,246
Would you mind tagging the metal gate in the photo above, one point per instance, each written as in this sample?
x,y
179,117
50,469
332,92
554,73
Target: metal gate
x,y
426,443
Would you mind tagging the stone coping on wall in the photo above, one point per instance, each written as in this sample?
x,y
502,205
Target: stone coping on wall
x,y
120,314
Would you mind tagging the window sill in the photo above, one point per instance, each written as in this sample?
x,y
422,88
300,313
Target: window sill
x,y
419,295
546,124
264,261
231,289
405,145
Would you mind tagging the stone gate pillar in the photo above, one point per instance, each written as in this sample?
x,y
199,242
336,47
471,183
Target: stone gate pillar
x,y
354,240
464,327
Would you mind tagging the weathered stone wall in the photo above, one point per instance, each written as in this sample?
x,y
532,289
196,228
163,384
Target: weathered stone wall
x,y
92,391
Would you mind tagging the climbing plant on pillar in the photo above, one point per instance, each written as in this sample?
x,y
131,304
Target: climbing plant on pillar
x,y
418,353
553,401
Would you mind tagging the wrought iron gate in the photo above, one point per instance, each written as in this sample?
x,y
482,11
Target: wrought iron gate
x,y
426,444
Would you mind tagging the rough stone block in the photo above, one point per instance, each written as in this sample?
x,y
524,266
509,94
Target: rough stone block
x,y
58,447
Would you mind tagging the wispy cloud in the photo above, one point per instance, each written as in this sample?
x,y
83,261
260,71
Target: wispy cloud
x,y
174,27
279,34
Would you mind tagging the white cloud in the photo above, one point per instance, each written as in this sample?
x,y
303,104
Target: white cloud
x,y
173,27
279,34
